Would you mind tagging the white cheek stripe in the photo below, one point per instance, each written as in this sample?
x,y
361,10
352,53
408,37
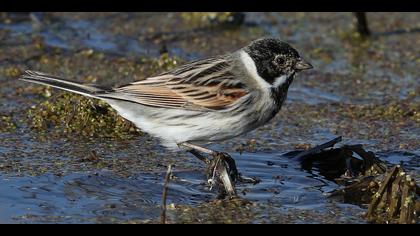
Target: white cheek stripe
x,y
279,81
252,70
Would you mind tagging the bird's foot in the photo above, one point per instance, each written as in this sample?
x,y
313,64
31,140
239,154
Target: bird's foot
x,y
221,169
233,171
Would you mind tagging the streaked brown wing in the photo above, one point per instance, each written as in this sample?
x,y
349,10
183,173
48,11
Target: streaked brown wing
x,y
202,84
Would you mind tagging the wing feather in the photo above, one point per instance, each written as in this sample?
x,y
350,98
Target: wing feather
x,y
204,84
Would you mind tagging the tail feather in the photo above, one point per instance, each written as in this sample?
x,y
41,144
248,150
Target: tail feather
x,y
60,83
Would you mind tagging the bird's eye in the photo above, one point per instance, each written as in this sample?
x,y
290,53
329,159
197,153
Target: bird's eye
x,y
279,60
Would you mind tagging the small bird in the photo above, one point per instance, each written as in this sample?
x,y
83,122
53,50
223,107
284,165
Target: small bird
x,y
203,101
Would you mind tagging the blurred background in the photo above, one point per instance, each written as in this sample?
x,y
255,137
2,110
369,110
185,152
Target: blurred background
x,y
64,158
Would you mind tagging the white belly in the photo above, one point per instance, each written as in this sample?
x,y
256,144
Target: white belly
x,y
190,126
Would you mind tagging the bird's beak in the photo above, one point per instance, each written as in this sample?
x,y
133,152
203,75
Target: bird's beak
x,y
303,65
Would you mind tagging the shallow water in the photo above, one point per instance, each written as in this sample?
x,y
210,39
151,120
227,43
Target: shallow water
x,y
101,196
47,179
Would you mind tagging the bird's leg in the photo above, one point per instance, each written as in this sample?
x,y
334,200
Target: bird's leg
x,y
199,156
221,166
233,171
229,162
191,146
197,150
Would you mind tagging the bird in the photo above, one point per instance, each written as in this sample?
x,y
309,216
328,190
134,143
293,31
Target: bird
x,y
203,101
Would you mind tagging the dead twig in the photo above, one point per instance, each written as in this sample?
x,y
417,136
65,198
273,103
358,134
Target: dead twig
x,y
361,23
380,193
164,195
408,202
319,148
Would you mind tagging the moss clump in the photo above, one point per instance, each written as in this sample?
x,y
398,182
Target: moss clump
x,y
73,114
11,72
162,64
394,111
6,123
220,211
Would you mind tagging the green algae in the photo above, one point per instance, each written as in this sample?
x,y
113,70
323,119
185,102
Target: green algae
x,y
216,212
242,211
396,111
68,114
6,123
163,63
11,71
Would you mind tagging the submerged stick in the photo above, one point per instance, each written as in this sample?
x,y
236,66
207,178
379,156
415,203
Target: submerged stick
x,y
319,148
164,194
